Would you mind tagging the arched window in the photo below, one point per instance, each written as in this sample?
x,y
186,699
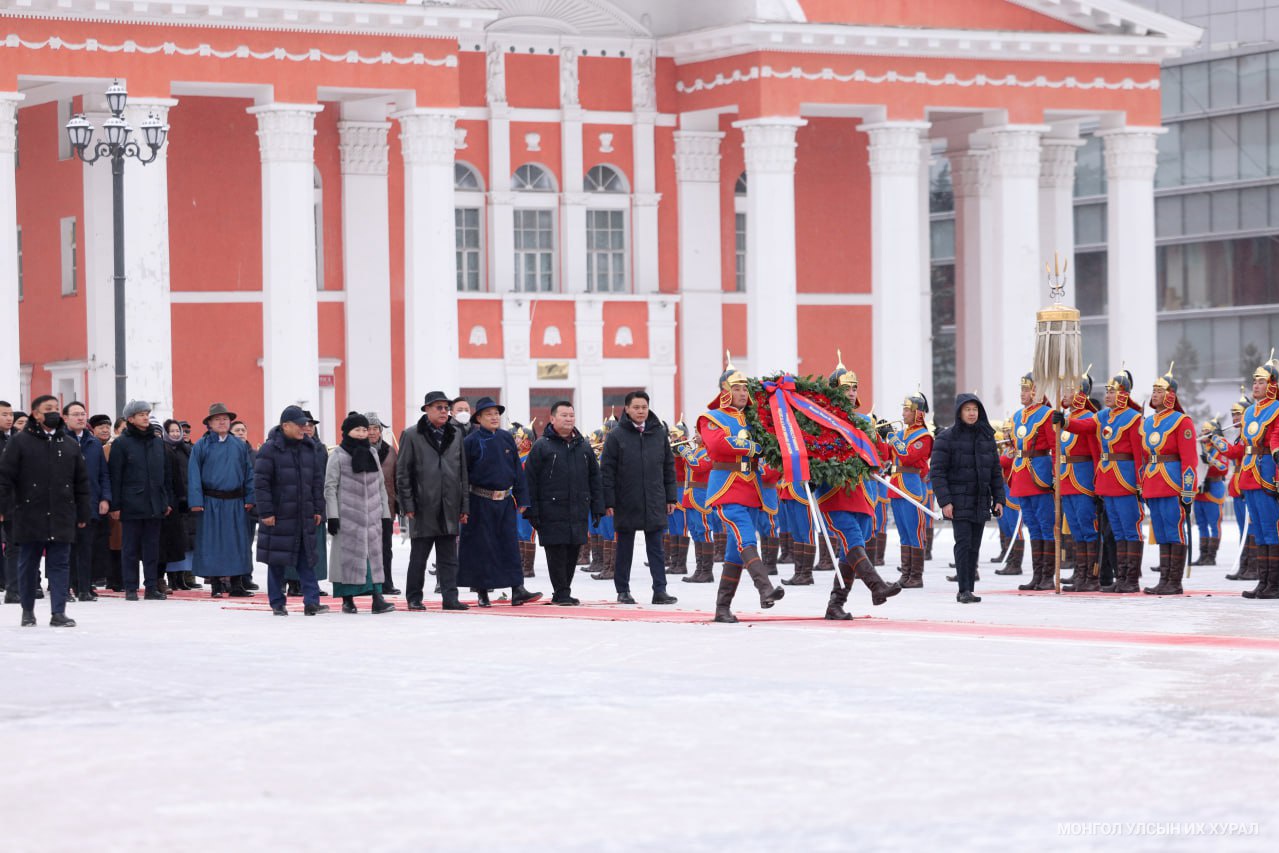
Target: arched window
x,y
468,216
532,178
535,237
466,179
605,179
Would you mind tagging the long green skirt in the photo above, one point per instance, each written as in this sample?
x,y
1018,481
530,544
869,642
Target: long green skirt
x,y
366,588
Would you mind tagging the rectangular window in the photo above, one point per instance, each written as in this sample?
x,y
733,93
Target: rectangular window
x,y
1252,146
1090,173
1169,170
1252,79
534,251
740,227
1225,148
942,238
1194,88
606,251
1090,224
1170,90
1196,162
467,221
1224,82
1090,283
70,264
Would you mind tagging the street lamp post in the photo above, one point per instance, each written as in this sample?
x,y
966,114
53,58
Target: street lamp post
x,y
117,146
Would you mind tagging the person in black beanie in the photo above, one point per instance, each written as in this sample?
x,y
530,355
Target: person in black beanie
x,y
356,504
969,485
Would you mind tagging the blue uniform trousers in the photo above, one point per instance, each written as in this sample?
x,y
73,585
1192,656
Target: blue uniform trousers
x,y
741,523
1125,515
1167,517
1263,510
1081,515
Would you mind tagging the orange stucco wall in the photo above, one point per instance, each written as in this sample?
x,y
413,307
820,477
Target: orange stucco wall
x,y
233,376
826,329
832,208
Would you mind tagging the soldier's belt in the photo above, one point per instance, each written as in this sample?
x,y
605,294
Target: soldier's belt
x,y
1117,457
1031,454
744,465
919,471
490,494
1165,457
1070,460
1247,451
1215,477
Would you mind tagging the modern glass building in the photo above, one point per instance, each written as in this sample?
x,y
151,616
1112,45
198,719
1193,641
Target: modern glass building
x,y
1216,213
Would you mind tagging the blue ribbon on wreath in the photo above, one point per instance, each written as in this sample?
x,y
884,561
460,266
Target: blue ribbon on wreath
x,y
785,401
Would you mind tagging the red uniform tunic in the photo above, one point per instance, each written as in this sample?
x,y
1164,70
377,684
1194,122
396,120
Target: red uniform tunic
x,y
1258,436
1032,439
734,478
911,449
693,467
1118,433
1079,477
1172,459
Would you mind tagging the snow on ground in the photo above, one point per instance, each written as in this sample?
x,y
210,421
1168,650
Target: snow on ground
x,y
188,725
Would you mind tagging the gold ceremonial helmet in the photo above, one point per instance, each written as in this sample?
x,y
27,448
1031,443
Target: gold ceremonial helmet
x,y
842,377
1269,371
1211,427
679,433
524,435
611,423
1167,382
730,377
1241,405
1027,381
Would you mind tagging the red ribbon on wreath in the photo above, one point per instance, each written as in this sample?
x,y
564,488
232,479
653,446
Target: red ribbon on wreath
x,y
784,401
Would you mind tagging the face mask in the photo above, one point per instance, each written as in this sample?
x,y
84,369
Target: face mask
x,y
52,420
462,417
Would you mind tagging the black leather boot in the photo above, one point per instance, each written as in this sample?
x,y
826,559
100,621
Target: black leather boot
x,y
520,595
348,604
804,556
754,566
729,576
703,553
380,604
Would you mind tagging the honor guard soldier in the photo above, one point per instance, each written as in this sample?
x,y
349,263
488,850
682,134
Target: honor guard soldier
x,y
733,491
1212,492
1118,430
697,466
911,446
678,528
1032,480
1247,565
1010,520
1258,442
524,438
1077,455
1168,480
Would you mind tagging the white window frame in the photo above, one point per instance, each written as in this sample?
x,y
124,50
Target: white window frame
x,y
538,200
471,199
610,200
740,188
67,242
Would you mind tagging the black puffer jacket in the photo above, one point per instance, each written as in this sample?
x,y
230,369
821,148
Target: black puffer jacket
x,y
638,471
564,488
965,466
140,483
288,484
44,485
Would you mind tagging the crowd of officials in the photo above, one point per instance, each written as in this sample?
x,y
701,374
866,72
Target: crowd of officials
x,y
138,506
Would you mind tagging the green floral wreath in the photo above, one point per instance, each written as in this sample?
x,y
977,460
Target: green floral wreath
x,y
831,460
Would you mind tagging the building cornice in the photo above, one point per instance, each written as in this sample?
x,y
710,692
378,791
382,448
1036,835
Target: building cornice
x,y
837,39
315,16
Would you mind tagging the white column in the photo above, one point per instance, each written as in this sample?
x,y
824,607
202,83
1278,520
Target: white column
x,y
501,207
644,210
573,238
149,316
1131,289
897,219
925,321
1017,265
661,359
290,328
99,284
366,266
590,359
430,261
772,306
975,320
701,286
1057,203
516,326
10,353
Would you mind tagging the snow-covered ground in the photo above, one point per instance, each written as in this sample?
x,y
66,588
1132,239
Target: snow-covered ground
x,y
1025,722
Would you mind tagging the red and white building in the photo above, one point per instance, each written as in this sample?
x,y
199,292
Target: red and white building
x,y
360,202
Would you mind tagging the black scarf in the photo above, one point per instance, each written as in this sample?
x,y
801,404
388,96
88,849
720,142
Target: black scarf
x,y
142,434
362,459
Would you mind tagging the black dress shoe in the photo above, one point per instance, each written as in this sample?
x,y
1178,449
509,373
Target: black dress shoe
x,y
279,611
28,618
566,601
663,598
348,605
454,604
483,595
11,596
967,598
520,595
238,592
625,598
39,592
155,595
381,605
86,596
417,605
249,584
131,595
313,609
390,590
61,620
